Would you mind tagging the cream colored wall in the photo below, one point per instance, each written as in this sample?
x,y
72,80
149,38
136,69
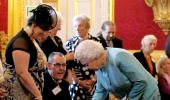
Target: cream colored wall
x,y
15,16
97,10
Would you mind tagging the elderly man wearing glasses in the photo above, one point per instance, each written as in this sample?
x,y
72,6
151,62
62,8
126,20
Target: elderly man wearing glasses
x,y
55,87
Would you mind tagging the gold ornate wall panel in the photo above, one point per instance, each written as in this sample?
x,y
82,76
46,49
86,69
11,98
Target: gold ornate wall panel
x,y
17,13
161,11
15,16
111,10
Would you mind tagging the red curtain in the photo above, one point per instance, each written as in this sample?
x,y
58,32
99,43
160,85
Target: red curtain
x,y
3,15
134,19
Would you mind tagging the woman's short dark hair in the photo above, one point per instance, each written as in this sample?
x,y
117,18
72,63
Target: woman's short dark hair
x,y
43,16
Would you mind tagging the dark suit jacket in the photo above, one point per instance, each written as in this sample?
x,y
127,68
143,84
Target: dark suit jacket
x,y
140,56
117,43
167,48
50,84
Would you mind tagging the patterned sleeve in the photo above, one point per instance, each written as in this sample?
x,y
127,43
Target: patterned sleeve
x,y
68,46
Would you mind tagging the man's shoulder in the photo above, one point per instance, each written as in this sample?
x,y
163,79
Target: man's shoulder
x,y
118,39
114,51
118,51
64,82
93,38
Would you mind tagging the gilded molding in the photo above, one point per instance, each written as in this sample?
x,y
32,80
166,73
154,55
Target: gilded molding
x,y
161,11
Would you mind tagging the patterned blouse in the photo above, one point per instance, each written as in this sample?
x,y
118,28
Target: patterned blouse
x,y
81,71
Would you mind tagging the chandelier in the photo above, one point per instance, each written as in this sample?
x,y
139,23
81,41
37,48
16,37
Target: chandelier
x,y
161,11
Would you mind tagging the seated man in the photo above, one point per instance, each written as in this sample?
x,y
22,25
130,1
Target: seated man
x,y
55,87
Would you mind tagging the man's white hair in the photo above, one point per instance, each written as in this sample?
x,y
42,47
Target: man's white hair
x,y
146,39
88,50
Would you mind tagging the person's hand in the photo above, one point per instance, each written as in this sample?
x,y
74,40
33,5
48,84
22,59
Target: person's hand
x,y
38,98
90,82
70,56
84,84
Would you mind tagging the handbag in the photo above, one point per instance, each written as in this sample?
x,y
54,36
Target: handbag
x,y
14,89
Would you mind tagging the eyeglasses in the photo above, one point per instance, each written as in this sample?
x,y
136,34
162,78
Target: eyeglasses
x,y
58,64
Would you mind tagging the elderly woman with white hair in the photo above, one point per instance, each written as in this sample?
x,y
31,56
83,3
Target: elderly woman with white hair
x,y
148,45
82,76
118,72
163,68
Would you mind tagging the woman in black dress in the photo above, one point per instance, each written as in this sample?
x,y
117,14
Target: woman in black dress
x,y
26,58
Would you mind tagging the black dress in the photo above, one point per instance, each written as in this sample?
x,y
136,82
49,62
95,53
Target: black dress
x,y
48,46
21,42
81,71
24,43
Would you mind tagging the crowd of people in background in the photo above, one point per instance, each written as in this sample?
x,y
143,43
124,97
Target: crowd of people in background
x,y
39,66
